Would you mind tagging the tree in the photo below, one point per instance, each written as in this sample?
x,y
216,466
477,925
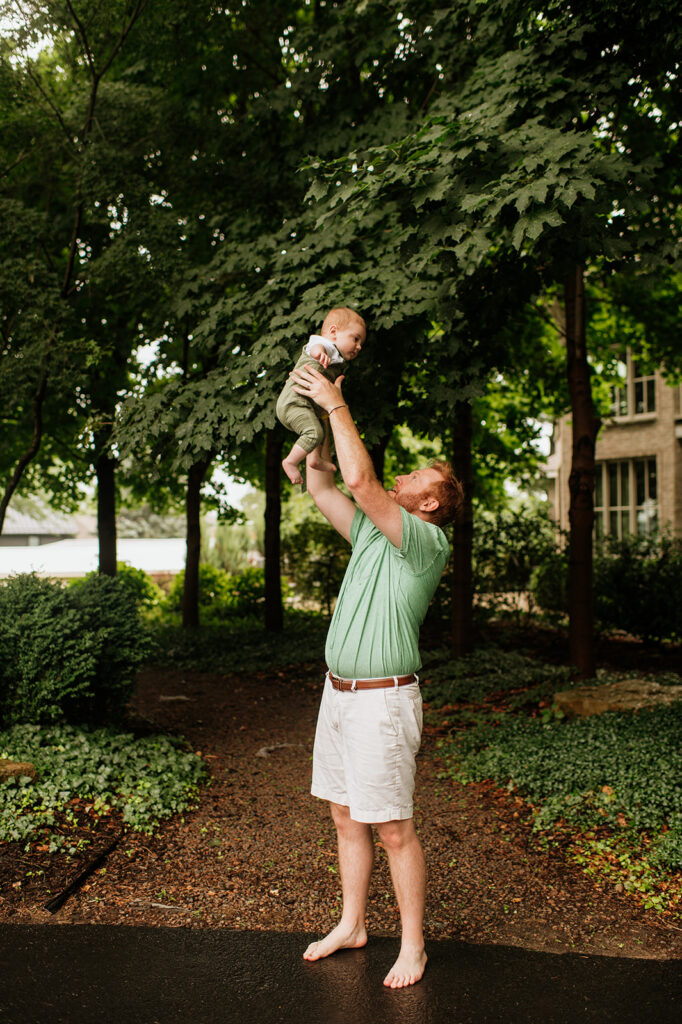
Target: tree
x,y
72,182
511,168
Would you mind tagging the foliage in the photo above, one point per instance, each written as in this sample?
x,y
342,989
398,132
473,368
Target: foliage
x,y
146,779
213,589
634,580
550,583
241,645
509,545
76,189
67,653
228,549
615,772
486,672
314,555
221,596
144,591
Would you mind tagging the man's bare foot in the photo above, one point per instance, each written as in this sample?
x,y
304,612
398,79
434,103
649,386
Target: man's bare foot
x,y
338,938
292,471
322,465
407,969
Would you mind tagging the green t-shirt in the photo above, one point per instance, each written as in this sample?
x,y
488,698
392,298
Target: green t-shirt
x,y
383,599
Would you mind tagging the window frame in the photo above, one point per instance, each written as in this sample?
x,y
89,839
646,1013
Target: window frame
x,y
625,395
628,513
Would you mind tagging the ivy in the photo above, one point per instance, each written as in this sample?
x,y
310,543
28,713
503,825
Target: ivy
x,y
144,779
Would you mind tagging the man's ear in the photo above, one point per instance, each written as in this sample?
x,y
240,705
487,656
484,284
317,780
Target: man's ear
x,y
429,504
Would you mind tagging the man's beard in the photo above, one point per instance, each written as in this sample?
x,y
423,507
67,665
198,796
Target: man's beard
x,y
410,502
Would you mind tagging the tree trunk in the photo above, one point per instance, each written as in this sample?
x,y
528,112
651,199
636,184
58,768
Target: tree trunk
x,y
190,594
378,454
462,536
581,480
105,468
274,614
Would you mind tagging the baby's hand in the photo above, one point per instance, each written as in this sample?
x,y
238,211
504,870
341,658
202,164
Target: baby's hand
x,y
319,352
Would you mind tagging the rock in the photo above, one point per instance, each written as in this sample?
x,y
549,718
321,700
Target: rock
x,y
15,769
626,695
266,751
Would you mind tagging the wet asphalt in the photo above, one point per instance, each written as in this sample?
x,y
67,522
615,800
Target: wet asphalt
x,y
91,974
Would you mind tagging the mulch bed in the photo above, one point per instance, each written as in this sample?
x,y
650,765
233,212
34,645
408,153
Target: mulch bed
x,y
259,851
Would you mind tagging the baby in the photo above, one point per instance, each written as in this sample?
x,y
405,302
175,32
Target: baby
x,y
343,333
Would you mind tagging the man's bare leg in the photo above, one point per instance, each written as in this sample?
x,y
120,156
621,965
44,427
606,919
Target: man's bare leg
x,y
356,859
408,871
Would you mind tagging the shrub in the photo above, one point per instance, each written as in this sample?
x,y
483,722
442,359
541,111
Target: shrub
x,y
509,547
145,592
635,583
241,644
549,583
246,592
214,590
221,597
315,557
67,653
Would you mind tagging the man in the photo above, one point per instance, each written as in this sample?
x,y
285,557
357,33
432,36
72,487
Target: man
x,y
370,721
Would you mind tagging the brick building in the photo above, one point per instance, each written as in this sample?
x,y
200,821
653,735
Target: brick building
x,y
638,480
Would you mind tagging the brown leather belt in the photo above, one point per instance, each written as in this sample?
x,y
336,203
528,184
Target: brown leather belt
x,y
371,684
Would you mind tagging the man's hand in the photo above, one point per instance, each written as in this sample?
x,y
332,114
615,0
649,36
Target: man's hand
x,y
319,352
314,385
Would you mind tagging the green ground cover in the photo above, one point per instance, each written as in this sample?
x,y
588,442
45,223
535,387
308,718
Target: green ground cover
x,y
240,646
86,773
606,788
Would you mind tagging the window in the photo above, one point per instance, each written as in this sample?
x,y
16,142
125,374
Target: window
x,y
636,394
625,497
644,388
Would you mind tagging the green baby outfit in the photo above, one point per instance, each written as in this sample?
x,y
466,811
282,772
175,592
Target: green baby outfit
x,y
301,414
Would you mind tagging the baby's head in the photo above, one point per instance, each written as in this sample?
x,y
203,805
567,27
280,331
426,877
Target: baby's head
x,y
346,329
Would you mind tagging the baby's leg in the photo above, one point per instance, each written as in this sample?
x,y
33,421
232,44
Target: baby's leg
x,y
300,417
320,458
292,462
316,460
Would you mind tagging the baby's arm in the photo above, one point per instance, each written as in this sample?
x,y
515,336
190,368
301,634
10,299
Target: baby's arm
x,y
319,352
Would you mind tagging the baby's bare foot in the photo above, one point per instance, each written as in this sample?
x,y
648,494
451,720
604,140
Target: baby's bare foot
x,y
408,968
322,465
292,471
340,937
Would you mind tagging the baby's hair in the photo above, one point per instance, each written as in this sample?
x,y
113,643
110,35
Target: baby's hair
x,y
341,316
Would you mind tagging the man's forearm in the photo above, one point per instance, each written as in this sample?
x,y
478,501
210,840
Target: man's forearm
x,y
317,480
354,461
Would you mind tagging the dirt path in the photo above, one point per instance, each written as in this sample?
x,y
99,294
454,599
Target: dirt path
x,y
259,851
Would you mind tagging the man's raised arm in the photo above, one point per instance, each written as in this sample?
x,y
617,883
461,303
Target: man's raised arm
x,y
332,503
354,461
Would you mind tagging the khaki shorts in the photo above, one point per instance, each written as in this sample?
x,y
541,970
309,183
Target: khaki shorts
x,y
365,748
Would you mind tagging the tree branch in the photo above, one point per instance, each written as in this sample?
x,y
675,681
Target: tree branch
x,y
561,331
84,38
31,451
55,110
139,7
